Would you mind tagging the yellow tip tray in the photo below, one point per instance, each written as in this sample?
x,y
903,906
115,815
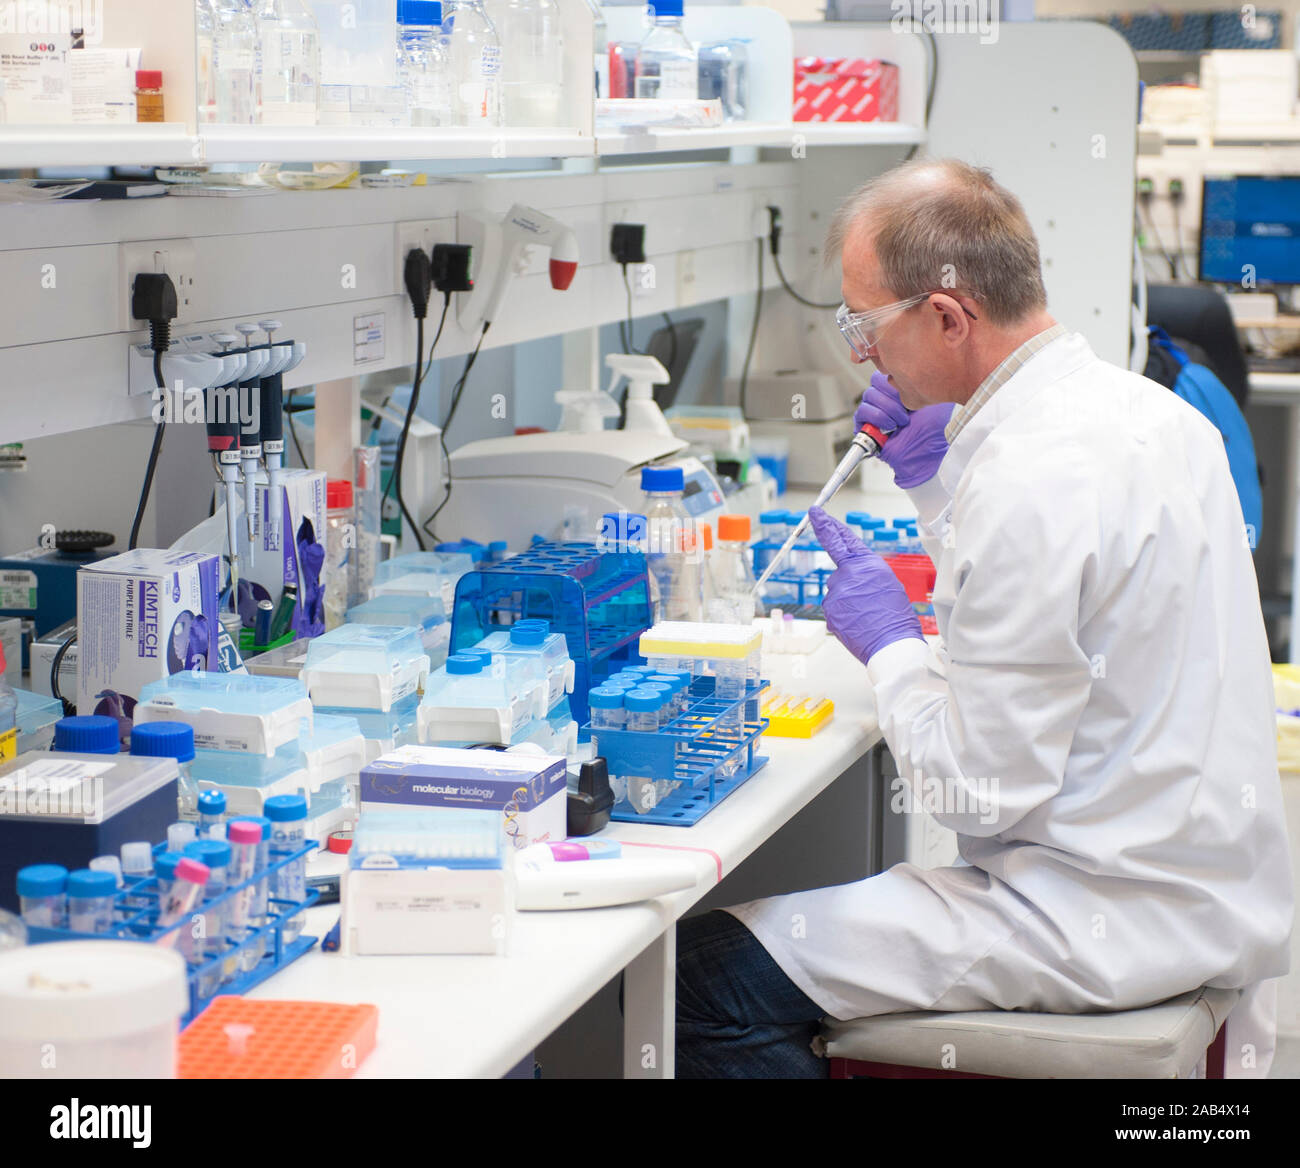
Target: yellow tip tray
x,y
795,717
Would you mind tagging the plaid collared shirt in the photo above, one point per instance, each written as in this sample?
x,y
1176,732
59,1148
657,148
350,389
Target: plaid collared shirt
x,y
998,378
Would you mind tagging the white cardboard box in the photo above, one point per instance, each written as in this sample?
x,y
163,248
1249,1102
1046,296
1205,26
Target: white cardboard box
x,y
142,616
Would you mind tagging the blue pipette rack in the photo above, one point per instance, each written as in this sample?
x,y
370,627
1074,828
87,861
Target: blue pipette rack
x,y
135,911
692,749
599,599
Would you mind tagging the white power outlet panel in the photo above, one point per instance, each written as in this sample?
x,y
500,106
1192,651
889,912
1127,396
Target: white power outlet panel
x,y
176,257
421,233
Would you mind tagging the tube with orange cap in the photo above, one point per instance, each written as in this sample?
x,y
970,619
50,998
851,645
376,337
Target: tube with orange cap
x,y
866,444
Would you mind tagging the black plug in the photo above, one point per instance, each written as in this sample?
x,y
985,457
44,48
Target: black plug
x,y
451,268
1176,190
153,298
416,275
1145,190
774,229
627,243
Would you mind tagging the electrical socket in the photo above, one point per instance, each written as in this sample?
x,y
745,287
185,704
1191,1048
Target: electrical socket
x,y
176,257
421,233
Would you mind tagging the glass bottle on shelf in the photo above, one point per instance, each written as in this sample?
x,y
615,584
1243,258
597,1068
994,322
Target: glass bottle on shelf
x,y
288,41
667,67
474,58
422,62
234,63
205,29
532,60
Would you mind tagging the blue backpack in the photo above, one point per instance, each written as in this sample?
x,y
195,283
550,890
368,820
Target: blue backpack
x,y
1200,388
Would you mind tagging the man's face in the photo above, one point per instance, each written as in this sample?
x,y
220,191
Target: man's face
x,y
914,350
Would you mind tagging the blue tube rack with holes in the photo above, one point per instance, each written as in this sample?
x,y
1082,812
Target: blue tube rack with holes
x,y
598,598
787,587
692,750
135,913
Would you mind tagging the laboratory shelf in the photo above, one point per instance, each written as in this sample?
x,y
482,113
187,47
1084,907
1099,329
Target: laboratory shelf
x,y
386,143
758,134
132,143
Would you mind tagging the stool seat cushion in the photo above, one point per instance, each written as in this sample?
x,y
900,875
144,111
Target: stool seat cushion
x,y
1164,1041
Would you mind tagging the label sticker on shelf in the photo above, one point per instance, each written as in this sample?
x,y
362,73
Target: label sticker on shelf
x,y
18,590
367,338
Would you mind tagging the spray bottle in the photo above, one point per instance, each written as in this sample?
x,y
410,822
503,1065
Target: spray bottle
x,y
643,374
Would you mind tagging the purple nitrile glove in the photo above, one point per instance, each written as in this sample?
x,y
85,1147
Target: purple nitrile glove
x,y
866,606
916,443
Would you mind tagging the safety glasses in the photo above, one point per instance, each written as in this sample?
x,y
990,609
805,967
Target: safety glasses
x,y
862,329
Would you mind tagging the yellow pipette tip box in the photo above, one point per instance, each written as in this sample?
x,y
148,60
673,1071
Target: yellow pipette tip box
x,y
792,717
702,641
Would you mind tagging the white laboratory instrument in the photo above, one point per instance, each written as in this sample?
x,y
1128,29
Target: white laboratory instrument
x,y
501,251
531,484
544,885
642,374
812,411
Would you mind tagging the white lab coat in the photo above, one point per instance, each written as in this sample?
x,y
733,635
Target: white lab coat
x,y
1102,657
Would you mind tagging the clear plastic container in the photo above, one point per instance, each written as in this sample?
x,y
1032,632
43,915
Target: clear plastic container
x,y
340,540
667,66
288,44
422,574
886,542
532,60
426,613
42,895
535,651
245,839
600,36
384,732
215,855
252,954
288,816
733,579
366,667
469,681
90,901
234,62
673,559
212,814
474,59
247,788
35,717
644,705
422,67
111,1009
205,30
607,712
171,740
724,74
229,711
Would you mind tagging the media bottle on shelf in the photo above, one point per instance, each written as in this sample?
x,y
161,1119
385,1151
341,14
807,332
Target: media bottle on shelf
x,y
474,61
667,66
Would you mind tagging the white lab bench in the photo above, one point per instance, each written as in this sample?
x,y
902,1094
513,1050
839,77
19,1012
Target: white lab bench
x,y
479,1016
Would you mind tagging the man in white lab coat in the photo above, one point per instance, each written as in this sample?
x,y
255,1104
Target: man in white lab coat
x,y
1096,722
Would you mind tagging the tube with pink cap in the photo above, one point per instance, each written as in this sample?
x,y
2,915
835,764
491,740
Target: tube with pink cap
x,y
184,893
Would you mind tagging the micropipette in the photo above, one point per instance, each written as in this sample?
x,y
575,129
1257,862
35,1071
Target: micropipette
x,y
223,444
866,444
250,433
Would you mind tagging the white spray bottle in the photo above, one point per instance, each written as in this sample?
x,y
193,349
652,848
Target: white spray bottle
x,y
643,374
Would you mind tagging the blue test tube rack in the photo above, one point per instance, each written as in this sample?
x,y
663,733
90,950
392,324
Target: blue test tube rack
x,y
135,913
690,749
599,599
786,587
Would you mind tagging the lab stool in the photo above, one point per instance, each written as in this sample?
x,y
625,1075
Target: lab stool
x,y
1164,1041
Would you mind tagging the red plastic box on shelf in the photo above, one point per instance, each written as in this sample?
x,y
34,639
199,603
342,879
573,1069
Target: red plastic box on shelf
x,y
845,89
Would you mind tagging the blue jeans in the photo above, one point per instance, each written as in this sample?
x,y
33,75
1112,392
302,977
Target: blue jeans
x,y
738,1015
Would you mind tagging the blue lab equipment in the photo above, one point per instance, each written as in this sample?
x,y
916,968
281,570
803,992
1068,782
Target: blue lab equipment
x,y
212,813
90,901
288,816
42,895
885,542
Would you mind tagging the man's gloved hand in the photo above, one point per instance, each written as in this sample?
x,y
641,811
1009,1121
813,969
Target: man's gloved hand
x,y
865,605
916,443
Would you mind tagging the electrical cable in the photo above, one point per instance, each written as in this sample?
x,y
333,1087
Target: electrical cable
x,y
1177,253
395,479
159,339
753,335
776,259
456,393
55,665
625,334
293,430
672,336
1149,222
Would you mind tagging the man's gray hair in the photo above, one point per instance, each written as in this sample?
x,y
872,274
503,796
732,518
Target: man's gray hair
x,y
939,224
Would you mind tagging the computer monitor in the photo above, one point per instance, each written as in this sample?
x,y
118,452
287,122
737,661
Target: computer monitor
x,y
1250,226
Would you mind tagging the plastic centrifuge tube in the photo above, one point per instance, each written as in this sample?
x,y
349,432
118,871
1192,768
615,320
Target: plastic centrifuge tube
x,y
607,711
288,816
180,834
90,901
137,860
215,856
212,815
110,864
42,898
185,887
245,838
261,889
